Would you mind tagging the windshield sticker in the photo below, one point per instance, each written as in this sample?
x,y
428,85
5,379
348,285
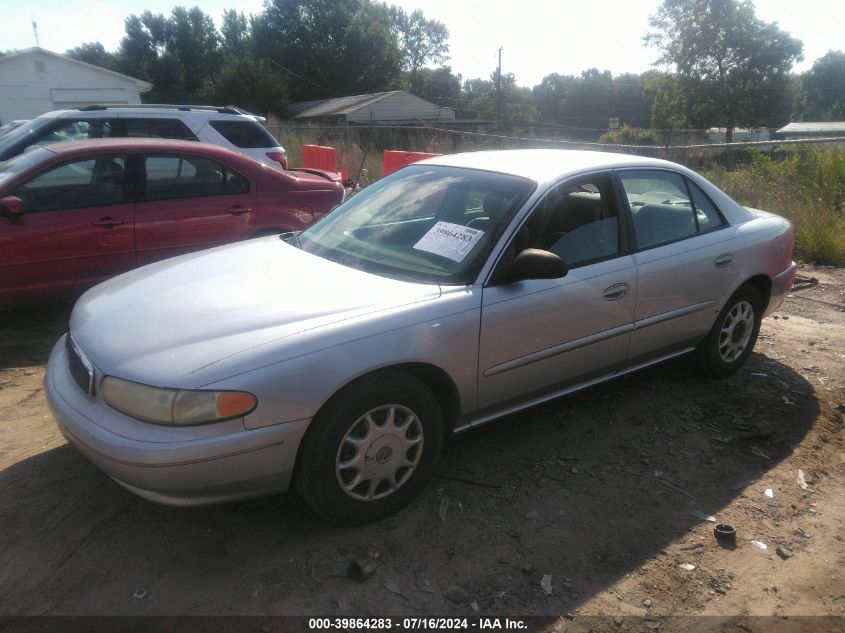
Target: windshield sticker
x,y
453,241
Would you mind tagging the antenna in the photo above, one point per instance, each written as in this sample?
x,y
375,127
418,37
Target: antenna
x,y
35,32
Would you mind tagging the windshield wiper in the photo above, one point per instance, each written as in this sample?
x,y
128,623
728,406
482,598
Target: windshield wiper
x,y
292,238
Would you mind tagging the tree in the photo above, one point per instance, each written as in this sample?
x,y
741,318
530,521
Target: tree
x,y
480,100
824,88
422,41
723,45
94,53
235,34
249,84
438,85
178,54
588,101
330,48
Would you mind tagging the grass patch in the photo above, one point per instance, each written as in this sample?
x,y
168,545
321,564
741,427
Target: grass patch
x,y
807,187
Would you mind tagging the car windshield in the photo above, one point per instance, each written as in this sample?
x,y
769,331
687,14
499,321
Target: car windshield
x,y
28,128
18,164
422,223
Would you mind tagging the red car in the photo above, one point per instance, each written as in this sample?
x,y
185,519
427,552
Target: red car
x,y
78,212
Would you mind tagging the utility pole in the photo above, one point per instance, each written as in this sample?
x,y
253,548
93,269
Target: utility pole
x,y
499,94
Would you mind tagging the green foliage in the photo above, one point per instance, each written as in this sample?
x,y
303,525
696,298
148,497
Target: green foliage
x,y
730,68
248,84
480,100
178,54
626,135
824,89
422,41
725,55
590,100
437,85
330,47
235,34
808,187
94,53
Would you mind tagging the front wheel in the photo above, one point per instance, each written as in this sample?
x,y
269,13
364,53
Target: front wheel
x,y
732,338
371,448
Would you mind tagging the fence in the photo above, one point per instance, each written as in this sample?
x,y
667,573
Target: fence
x,y
363,145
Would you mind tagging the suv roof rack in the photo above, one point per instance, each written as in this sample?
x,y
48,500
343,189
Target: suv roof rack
x,y
169,106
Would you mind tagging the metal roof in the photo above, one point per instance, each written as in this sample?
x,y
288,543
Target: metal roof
x,y
807,127
336,107
394,105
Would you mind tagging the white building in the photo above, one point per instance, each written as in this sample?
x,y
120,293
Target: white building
x,y
35,81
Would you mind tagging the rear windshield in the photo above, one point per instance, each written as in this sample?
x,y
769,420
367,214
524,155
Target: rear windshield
x,y
245,134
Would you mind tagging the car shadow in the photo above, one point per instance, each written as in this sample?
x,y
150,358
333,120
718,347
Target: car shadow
x,y
584,489
27,335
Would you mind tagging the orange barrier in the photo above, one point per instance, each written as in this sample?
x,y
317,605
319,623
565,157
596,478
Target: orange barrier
x,y
319,157
394,160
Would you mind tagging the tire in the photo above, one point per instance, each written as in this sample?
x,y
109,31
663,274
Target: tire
x,y
731,340
371,448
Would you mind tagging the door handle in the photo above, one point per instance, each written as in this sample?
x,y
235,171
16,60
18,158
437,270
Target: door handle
x,y
237,209
108,222
616,291
723,261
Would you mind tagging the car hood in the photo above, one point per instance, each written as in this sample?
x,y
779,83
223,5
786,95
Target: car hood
x,y
161,323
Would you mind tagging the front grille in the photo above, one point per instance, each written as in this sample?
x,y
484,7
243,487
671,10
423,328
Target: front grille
x,y
80,368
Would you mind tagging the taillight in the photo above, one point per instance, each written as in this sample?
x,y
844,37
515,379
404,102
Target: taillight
x,y
279,157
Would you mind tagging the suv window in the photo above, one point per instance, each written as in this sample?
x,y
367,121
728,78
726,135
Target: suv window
x,y
244,134
77,130
88,182
158,128
173,176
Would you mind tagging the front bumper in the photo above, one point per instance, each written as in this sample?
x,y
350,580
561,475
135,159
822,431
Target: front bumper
x,y
780,287
172,465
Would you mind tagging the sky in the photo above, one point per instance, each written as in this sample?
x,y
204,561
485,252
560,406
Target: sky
x,y
538,37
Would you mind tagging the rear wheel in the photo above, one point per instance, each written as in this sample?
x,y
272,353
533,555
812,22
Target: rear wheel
x,y
732,338
371,448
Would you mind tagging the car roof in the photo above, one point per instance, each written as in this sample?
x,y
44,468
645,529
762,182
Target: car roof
x,y
137,144
155,110
544,165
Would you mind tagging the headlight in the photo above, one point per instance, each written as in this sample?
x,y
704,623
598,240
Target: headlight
x,y
175,406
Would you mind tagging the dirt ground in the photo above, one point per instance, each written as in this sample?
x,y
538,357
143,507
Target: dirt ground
x,y
595,504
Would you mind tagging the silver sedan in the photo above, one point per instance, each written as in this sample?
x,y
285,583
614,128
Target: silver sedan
x,y
450,293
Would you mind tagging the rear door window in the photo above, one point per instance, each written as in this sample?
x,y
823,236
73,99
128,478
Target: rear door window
x,y
244,134
706,213
175,176
660,206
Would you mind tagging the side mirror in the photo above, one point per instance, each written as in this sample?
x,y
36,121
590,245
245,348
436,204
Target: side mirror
x,y
10,206
533,263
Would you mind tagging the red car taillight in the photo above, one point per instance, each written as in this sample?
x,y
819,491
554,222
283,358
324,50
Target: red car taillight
x,y
279,157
